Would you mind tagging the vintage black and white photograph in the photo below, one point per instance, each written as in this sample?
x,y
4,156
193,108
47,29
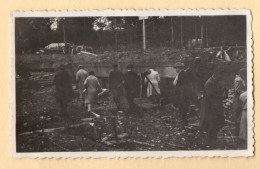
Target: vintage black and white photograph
x,y
132,83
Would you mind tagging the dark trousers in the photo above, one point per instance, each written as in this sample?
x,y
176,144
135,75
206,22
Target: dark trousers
x,y
183,103
130,100
63,105
212,135
117,102
237,113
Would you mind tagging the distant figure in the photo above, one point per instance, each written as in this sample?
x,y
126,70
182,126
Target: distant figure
x,y
62,81
81,76
188,69
115,84
239,88
92,87
131,86
23,71
212,114
243,108
182,91
154,78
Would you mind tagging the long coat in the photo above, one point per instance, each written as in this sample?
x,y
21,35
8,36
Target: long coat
x,y
212,115
115,83
243,123
92,89
131,84
182,90
62,82
155,80
81,76
239,86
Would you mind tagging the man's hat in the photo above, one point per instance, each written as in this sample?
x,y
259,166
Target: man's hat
x,y
80,66
178,64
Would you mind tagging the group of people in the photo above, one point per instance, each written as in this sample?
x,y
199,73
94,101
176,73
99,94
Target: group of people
x,y
211,114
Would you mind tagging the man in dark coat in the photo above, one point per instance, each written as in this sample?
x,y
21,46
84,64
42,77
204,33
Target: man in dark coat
x,y
131,86
182,91
115,85
212,115
62,81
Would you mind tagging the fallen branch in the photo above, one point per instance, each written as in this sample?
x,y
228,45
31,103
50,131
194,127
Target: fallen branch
x,y
54,129
228,121
179,146
141,143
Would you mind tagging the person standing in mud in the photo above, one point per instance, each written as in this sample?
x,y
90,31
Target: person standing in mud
x,y
212,114
243,108
81,76
115,85
153,83
131,87
182,92
239,88
62,82
92,87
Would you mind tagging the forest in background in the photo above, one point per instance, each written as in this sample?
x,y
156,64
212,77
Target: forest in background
x,y
125,33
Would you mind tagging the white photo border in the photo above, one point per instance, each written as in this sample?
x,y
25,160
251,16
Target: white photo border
x,y
140,154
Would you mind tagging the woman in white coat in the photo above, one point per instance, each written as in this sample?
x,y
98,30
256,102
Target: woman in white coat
x,y
155,80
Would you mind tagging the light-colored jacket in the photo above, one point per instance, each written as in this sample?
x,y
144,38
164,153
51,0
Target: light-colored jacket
x,y
92,87
243,123
155,80
81,76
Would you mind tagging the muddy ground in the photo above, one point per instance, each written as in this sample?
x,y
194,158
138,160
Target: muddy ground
x,y
155,129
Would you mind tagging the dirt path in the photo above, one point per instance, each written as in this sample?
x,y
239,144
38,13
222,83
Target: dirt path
x,y
145,130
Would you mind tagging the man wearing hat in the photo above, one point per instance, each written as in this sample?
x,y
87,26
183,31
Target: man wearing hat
x,y
182,91
212,115
115,84
81,76
62,81
131,87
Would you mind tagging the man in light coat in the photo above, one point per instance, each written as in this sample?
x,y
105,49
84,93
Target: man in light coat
x,y
81,76
154,79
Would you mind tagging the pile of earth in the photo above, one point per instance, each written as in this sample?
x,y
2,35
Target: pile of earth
x,y
161,54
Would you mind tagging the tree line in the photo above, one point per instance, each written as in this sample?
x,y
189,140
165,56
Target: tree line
x,y
126,32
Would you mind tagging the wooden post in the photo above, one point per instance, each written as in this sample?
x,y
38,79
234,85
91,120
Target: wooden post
x,y
207,40
172,40
64,39
195,29
144,42
141,86
115,34
181,35
202,35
